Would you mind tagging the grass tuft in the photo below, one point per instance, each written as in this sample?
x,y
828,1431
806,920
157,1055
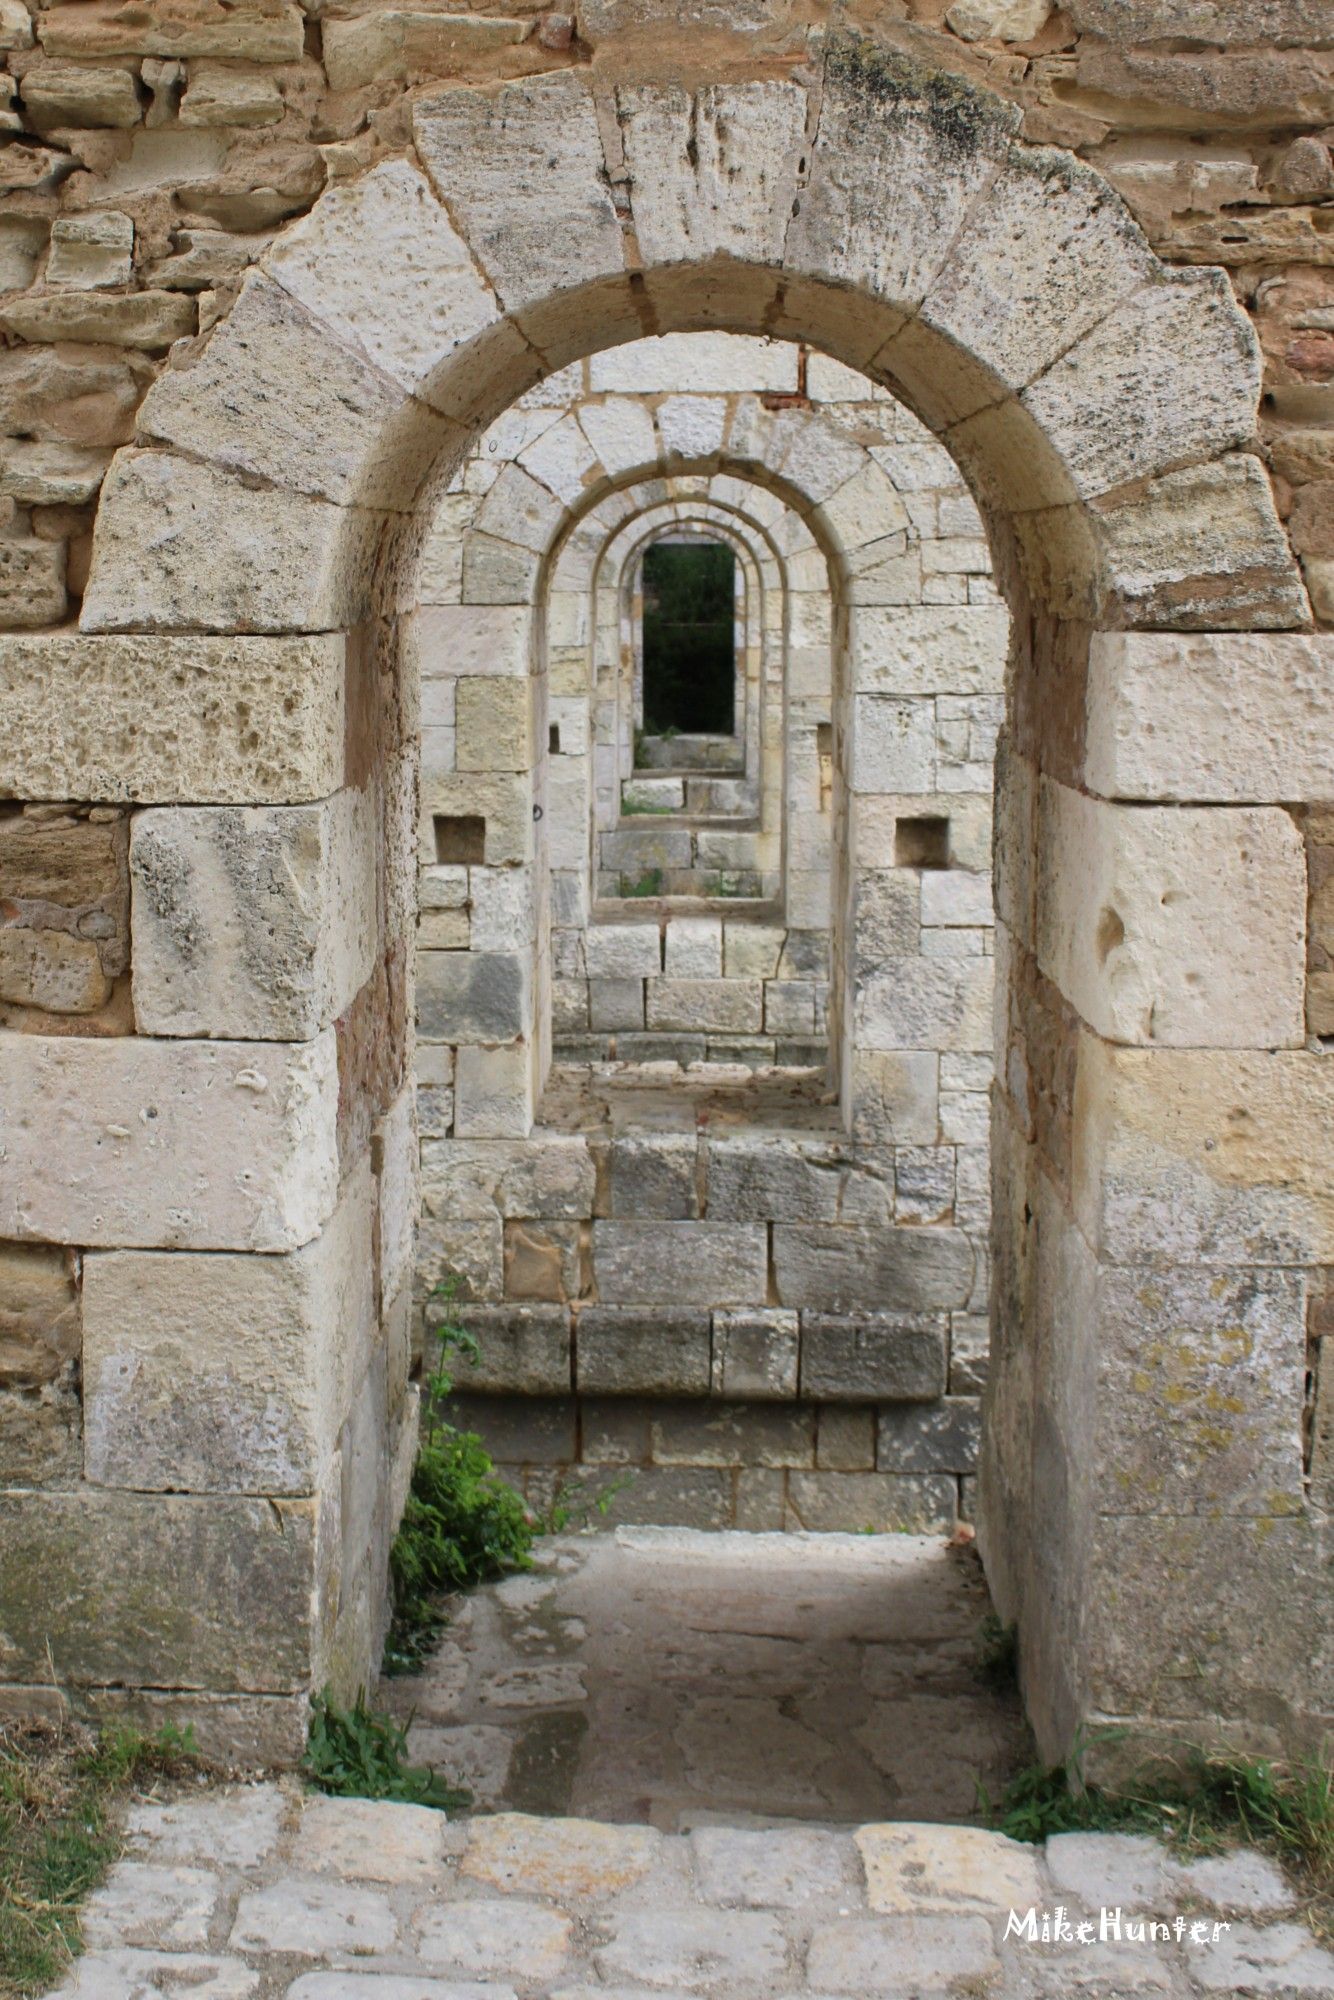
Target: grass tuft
x,y
355,1753
60,1788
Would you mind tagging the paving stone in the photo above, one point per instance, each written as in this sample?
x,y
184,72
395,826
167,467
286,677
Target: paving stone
x,y
694,1949
369,1840
137,1975
391,1986
771,1870
473,1755
1241,1880
900,1955
563,1858
142,1904
312,1918
1109,1868
238,1829
519,1939
946,1868
1283,1959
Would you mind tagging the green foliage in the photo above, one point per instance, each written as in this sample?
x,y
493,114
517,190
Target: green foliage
x,y
573,1505
58,1793
649,884
1202,1803
462,1524
354,1753
644,809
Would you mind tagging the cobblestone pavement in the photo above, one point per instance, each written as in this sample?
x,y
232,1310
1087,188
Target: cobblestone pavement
x,y
228,1894
668,1676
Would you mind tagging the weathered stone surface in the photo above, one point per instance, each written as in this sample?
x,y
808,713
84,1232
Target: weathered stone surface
x,y
946,1868
680,1263
142,1904
480,1938
1203,1155
690,1946
1233,717
237,1828
926,1003
930,649
369,1840
155,719
73,1561
847,1269
873,1358
713,172
549,1175
525,1350
91,252
755,1354
1129,902
472,996
181,545
273,396
252,922
51,474
32,584
927,1951
311,1918
561,1859
139,1143
147,320
660,1353
226,1374
39,1315
943,1438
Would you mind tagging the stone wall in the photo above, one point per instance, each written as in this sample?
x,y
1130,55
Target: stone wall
x,y
384,244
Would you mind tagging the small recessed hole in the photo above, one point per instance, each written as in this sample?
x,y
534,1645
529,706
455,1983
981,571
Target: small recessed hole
x,y
553,739
922,843
460,838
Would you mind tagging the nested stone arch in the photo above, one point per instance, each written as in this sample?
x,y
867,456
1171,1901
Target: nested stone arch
x,y
1102,408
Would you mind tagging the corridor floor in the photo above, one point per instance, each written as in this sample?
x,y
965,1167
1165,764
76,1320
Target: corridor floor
x,y
676,1678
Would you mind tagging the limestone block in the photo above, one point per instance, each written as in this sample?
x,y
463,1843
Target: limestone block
x,y
1175,926
1212,1365
1171,374
849,1269
52,970
680,1263
501,800
91,252
930,649
888,188
876,1357
525,1350
522,168
943,1438
953,896
758,1177
379,263
548,1175
473,996
255,922
887,1503
623,951
32,583
714,172
1001,20
493,1093
694,948
39,1315
652,1176
620,430
456,639
51,474
755,1355
623,1353
156,719
522,509
467,1255
893,744
147,320
226,1374
40,1444
751,951
1198,549
181,545
273,396
1215,1156
615,1003
256,33
15,25
894,1097
218,95
62,94
222,1590
502,906
494,724
1232,717
713,1006
135,1143
926,1003
400,43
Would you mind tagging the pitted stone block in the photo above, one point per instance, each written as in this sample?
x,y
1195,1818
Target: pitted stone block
x,y
875,1357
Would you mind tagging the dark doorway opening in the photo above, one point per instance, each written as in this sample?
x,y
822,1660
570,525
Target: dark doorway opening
x,y
689,639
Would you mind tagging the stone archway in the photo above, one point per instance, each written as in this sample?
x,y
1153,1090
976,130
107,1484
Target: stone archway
x,y
1167,1565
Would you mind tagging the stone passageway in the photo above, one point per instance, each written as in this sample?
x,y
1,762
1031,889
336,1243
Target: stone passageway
x,y
678,1679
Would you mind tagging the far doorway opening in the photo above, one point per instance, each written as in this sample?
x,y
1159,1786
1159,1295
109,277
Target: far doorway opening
x,y
689,639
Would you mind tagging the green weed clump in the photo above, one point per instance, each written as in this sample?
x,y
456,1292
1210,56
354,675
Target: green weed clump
x,y
462,1524
59,1790
1202,1803
355,1753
